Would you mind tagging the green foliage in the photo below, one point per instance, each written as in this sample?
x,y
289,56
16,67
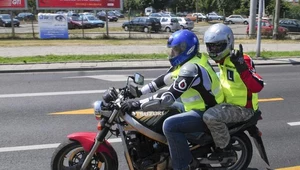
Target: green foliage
x,y
284,6
294,12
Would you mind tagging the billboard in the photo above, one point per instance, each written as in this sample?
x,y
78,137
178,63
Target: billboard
x,y
53,26
13,4
80,4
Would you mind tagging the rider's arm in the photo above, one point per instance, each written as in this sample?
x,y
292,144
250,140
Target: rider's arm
x,y
167,98
252,80
158,83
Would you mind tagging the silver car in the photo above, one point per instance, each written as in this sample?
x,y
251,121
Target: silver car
x,y
169,24
233,19
185,23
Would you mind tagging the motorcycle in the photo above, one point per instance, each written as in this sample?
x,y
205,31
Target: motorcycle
x,y
145,146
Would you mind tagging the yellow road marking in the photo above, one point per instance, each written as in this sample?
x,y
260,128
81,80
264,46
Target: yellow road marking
x,y
91,111
270,99
75,112
290,168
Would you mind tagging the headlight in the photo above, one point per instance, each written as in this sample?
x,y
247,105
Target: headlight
x,y
101,110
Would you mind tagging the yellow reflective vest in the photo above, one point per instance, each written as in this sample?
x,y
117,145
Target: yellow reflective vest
x,y
233,87
191,98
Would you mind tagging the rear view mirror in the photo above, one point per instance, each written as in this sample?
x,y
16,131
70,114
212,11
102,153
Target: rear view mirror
x,y
138,79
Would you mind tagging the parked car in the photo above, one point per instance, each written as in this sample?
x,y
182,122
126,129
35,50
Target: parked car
x,y
118,14
293,25
75,22
169,24
214,16
186,23
191,17
92,20
26,16
234,19
5,21
142,24
201,17
267,29
110,16
159,15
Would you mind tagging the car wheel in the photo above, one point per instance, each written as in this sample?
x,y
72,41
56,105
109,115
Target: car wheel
x,y
126,28
146,29
230,22
168,29
245,22
3,25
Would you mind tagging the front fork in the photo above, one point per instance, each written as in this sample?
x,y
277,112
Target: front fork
x,y
99,140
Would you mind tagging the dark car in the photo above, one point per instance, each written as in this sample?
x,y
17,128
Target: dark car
x,y
142,24
5,21
75,22
118,14
110,16
293,25
25,16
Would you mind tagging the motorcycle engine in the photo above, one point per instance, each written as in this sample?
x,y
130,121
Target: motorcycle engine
x,y
145,152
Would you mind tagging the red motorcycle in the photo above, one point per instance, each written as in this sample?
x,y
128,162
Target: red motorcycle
x,y
144,144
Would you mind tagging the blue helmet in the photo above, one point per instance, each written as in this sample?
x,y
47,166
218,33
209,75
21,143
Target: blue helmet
x,y
184,45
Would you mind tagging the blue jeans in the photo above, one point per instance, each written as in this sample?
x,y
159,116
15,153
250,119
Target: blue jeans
x,y
174,129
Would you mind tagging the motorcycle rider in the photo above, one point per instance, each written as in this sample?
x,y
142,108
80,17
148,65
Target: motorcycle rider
x,y
196,84
240,85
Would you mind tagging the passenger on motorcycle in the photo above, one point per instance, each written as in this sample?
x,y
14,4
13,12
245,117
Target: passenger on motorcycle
x,y
196,84
240,84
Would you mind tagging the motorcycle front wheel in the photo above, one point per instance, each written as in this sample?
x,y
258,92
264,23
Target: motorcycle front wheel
x,y
70,155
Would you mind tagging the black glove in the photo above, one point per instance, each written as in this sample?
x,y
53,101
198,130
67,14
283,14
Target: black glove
x,y
237,58
130,106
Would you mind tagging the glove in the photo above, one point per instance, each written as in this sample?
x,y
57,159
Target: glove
x,y
237,58
130,106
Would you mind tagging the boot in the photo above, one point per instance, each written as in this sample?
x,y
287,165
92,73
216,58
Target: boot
x,y
195,164
219,153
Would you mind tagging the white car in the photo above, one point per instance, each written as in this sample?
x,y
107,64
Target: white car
x,y
169,24
201,17
185,23
233,19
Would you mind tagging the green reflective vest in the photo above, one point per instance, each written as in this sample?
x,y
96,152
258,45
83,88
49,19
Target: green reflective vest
x,y
191,98
233,87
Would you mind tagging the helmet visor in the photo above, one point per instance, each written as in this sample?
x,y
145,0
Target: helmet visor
x,y
177,50
216,47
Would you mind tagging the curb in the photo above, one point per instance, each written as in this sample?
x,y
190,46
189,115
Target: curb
x,y
126,67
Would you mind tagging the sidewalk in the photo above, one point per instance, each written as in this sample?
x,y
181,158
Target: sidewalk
x,y
132,64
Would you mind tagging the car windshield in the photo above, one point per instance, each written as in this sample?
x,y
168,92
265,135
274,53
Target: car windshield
x,y
91,18
76,18
5,17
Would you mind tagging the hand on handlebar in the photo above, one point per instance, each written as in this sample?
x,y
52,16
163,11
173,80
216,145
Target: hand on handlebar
x,y
130,106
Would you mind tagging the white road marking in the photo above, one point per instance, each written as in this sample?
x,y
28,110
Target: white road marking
x,y
113,78
51,93
43,146
294,123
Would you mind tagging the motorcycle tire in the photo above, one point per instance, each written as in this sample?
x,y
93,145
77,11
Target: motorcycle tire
x,y
70,154
242,142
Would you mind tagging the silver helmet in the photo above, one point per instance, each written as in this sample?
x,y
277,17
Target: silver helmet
x,y
219,41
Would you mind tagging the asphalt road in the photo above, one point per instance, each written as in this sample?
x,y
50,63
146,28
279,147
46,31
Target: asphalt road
x,y
26,99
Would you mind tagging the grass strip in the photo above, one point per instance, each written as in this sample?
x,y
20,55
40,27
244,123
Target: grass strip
x,y
121,57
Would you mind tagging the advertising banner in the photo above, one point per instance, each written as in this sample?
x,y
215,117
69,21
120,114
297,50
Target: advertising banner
x,y
80,4
13,4
53,26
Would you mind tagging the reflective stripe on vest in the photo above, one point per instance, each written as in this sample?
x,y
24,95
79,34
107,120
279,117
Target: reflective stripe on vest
x,y
234,89
191,98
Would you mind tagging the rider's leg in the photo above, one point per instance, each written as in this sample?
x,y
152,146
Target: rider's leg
x,y
218,116
174,128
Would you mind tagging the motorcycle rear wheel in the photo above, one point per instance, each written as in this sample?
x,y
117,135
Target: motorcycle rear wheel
x,y
243,148
69,156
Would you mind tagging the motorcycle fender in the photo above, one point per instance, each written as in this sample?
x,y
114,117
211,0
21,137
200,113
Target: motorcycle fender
x,y
86,139
254,132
